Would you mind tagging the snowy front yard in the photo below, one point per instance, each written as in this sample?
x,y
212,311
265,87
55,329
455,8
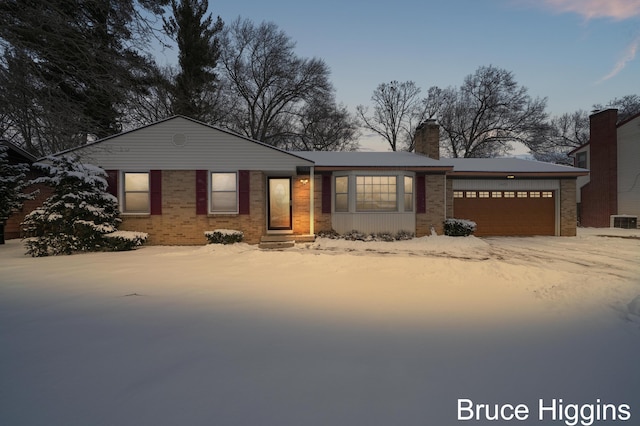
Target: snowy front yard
x,y
330,333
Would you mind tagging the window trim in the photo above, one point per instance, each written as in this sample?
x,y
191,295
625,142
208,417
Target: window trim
x,y
124,192
352,197
336,193
210,191
581,159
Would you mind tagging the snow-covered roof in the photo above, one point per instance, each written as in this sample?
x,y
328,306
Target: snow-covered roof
x,y
368,159
508,165
463,166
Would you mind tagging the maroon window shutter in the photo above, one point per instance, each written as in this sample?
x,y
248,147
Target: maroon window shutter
x,y
201,191
244,190
112,182
326,193
155,191
421,196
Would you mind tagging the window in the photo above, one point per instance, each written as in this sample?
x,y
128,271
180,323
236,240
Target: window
x,y
547,194
534,194
471,194
522,194
136,192
509,194
376,193
581,160
408,193
496,194
342,194
483,194
458,194
224,194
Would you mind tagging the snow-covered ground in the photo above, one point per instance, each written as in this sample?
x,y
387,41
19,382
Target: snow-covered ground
x,y
329,333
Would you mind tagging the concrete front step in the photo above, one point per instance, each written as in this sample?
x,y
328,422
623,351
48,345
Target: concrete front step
x,y
284,241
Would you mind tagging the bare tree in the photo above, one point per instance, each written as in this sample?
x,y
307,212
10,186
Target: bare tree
x,y
268,85
627,106
325,126
395,107
564,133
486,114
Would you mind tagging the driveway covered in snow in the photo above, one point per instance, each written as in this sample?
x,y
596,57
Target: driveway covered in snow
x,y
329,333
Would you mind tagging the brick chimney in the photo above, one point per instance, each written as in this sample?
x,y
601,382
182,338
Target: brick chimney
x,y
600,197
427,139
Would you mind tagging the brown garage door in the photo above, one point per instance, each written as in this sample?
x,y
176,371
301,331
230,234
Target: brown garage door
x,y
507,212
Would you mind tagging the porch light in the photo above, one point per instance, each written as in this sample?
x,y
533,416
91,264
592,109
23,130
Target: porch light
x,y
511,177
304,181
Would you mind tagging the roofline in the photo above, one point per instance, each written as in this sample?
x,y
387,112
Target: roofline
x,y
172,118
519,174
625,121
20,151
574,150
441,169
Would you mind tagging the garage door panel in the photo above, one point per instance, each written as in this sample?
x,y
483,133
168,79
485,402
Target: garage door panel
x,y
508,216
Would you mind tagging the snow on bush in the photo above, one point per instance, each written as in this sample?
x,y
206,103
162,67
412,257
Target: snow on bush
x,y
459,227
361,236
125,240
12,185
78,213
224,236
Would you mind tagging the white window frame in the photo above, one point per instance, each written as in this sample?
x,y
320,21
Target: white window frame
x,y
353,191
211,191
335,193
124,192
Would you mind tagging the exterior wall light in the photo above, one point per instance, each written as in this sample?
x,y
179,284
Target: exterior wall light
x,y
304,181
511,177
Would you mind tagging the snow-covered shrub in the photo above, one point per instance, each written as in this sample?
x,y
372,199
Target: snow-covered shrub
x,y
78,213
329,234
354,235
383,236
459,227
404,235
124,240
224,236
12,185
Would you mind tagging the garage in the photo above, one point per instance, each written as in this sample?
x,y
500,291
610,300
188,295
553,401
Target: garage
x,y
509,213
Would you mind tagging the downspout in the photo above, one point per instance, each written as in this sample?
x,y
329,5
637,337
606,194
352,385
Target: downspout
x,y
312,196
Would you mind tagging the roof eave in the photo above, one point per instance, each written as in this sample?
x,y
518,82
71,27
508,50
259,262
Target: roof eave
x,y
433,169
520,174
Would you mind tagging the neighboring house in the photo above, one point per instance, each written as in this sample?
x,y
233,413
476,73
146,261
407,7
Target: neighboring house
x,y
16,155
177,178
612,155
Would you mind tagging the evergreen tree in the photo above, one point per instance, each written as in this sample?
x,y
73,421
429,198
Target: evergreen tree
x,y
78,213
199,50
12,185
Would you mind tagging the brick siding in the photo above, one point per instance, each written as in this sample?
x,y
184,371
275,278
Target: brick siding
x,y
435,200
568,208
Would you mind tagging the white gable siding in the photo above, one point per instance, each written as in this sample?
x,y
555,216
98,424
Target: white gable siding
x,y
204,148
629,168
582,180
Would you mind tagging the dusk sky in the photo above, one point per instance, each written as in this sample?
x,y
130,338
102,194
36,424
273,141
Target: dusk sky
x,y
574,52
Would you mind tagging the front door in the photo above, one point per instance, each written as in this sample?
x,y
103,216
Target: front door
x,y
279,203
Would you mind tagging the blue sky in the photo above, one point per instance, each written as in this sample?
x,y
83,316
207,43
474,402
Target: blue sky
x,y
573,52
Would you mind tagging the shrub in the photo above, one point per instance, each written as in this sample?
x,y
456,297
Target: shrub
x,y
328,234
404,235
224,236
124,240
459,227
354,235
78,213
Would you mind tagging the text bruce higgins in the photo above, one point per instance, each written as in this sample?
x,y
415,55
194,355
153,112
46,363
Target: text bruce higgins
x,y
571,414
